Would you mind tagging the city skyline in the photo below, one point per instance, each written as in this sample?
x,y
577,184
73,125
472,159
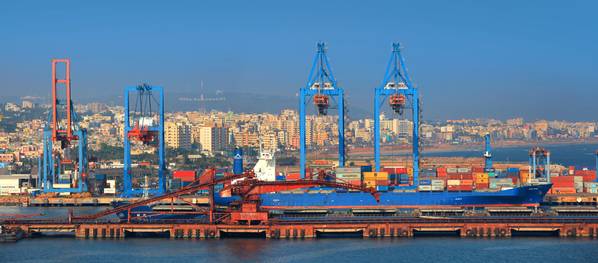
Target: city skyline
x,y
518,59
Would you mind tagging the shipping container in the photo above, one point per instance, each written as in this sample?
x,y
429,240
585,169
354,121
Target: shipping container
x,y
562,181
280,178
437,188
464,170
438,183
366,168
482,186
453,182
513,170
382,188
425,182
293,176
184,175
424,188
460,188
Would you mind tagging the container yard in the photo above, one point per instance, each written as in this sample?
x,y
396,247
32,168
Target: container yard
x,y
473,197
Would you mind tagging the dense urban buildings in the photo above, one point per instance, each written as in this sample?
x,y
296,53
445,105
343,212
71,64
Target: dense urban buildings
x,y
216,132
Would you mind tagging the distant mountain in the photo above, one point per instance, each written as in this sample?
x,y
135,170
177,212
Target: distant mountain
x,y
214,100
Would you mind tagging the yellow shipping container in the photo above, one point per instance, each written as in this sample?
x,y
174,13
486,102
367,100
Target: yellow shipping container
x,y
524,176
371,183
375,176
481,178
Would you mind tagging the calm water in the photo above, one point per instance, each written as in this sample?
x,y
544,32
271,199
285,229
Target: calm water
x,y
430,249
420,249
582,155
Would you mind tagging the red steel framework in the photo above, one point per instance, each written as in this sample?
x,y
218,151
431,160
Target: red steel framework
x,y
63,135
243,211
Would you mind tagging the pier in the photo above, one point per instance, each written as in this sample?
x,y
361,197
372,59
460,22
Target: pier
x,y
314,228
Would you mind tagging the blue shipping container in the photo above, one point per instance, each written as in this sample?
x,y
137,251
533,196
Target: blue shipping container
x,y
382,188
512,170
425,182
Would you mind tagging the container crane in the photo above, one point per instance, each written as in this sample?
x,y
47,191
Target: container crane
x,y
61,169
401,94
322,88
539,163
144,124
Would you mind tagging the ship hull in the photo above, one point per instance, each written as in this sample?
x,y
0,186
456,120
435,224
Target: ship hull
x,y
521,196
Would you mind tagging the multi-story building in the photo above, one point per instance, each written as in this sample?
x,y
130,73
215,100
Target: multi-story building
x,y
213,139
177,135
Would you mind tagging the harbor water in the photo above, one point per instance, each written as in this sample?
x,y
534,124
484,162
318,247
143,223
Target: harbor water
x,y
417,249
420,249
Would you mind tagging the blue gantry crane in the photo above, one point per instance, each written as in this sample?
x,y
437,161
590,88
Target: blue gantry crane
x,y
64,169
322,89
539,163
487,154
144,123
401,94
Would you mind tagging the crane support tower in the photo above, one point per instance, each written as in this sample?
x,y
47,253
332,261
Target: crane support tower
x,y
487,154
322,90
62,170
144,124
401,94
539,163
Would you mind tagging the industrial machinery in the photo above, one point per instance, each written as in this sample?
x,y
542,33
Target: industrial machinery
x,y
144,127
243,210
539,163
401,94
64,165
487,154
322,88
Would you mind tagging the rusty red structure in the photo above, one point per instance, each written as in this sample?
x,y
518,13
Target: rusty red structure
x,y
63,134
62,128
245,210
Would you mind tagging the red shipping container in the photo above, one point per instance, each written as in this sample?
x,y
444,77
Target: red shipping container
x,y
382,182
354,182
482,186
184,175
476,169
514,178
293,176
562,181
588,175
562,190
460,188
466,182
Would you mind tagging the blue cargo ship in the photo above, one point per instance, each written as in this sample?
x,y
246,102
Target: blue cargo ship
x,y
526,196
529,195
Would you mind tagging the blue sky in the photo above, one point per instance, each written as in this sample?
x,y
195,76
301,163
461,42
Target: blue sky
x,y
500,59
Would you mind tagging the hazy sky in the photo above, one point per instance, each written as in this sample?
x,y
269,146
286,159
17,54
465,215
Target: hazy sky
x,y
536,59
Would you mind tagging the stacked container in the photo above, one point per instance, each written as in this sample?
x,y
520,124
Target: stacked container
x,y
501,183
591,187
349,175
374,179
293,176
481,180
425,185
437,185
563,185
